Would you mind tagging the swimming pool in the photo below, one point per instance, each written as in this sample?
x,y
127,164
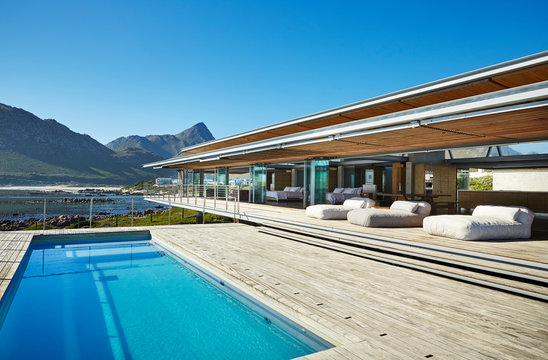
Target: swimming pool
x,y
136,300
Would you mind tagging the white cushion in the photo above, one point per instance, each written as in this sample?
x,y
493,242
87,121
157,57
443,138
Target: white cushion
x,y
352,191
368,203
408,206
509,213
328,212
354,203
292,189
466,227
338,191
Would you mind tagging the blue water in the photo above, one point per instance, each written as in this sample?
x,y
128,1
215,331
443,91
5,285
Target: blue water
x,y
134,301
23,204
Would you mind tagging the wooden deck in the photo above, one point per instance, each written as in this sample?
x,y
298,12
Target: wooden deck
x,y
365,308
535,249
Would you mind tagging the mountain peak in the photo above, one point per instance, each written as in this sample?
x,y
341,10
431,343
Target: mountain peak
x,y
165,146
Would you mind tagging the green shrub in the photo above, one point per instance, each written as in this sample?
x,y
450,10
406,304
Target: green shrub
x,y
482,183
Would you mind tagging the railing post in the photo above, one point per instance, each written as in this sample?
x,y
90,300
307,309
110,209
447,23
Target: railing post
x,y
131,212
215,196
238,199
203,210
169,215
234,209
90,212
44,225
227,189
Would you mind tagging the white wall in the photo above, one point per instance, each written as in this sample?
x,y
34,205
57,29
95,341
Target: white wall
x,y
520,179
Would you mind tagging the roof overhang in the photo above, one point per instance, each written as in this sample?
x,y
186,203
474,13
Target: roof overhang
x,y
506,116
518,72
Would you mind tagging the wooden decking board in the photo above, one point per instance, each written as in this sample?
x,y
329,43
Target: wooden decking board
x,y
533,250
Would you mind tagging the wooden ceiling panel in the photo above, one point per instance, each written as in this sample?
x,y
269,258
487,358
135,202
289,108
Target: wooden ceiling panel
x,y
518,78
523,77
454,94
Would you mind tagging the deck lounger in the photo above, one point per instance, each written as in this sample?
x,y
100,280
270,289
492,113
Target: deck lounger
x,y
400,214
485,223
338,212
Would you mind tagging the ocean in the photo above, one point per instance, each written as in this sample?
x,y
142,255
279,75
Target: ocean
x,y
26,204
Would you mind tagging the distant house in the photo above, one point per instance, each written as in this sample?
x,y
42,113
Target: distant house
x,y
165,181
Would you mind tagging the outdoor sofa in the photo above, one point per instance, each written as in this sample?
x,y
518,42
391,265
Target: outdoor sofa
x,y
486,222
339,195
338,212
401,214
288,193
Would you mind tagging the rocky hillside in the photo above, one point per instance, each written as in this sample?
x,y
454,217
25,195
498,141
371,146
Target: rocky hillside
x,y
165,146
36,151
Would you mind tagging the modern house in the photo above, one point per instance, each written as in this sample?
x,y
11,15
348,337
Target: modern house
x,y
403,142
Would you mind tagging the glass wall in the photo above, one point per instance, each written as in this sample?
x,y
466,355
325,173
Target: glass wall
x,y
316,181
221,176
258,178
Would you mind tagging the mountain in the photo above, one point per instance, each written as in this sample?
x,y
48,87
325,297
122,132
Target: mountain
x,y
36,151
165,146
475,152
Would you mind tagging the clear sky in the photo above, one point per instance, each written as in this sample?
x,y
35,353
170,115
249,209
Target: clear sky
x,y
112,68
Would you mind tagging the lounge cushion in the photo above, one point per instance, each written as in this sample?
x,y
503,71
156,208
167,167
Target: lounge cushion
x,y
338,191
409,206
496,225
338,212
352,191
358,203
509,213
390,217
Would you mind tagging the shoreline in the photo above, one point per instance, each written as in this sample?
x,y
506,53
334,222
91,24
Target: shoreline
x,y
65,188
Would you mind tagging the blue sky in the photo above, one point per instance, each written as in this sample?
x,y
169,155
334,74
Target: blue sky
x,y
116,68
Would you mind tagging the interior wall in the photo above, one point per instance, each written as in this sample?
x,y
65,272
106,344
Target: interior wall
x,y
281,179
268,180
445,180
333,175
398,178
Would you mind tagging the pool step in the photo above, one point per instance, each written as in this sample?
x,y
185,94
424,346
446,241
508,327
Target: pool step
x,y
509,279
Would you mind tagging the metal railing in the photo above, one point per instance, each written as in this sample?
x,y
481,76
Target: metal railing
x,y
206,196
36,210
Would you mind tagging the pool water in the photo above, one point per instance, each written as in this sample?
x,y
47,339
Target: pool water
x,y
135,300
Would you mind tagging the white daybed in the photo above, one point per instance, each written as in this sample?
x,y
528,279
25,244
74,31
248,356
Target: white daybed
x,y
289,193
338,212
486,222
400,214
339,195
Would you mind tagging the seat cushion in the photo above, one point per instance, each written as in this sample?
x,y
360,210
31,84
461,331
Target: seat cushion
x,y
467,227
409,206
328,212
384,218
